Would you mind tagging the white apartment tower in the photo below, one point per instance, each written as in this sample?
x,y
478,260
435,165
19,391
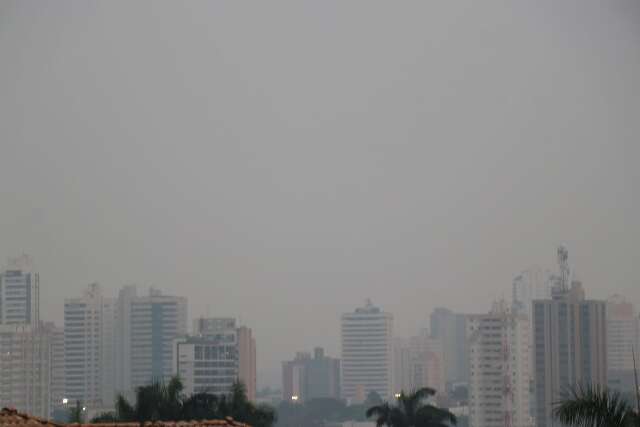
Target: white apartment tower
x,y
89,348
367,353
19,293
146,327
499,365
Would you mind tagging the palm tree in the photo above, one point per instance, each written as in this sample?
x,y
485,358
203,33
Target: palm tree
x,y
237,406
154,402
387,415
412,411
595,406
165,402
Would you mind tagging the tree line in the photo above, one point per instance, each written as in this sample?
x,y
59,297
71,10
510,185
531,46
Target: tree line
x,y
161,401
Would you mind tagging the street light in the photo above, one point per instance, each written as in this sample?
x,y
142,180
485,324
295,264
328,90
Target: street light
x,y
65,401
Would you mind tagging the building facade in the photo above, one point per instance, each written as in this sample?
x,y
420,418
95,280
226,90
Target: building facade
x,y
145,330
500,371
19,293
401,365
570,342
90,348
450,329
57,366
26,368
623,332
306,377
367,353
426,363
215,356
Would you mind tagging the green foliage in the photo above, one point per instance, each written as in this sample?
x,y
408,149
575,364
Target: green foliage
x,y
410,410
595,406
76,413
166,402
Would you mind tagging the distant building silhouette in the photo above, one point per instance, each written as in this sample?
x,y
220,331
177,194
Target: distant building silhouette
x,y
306,377
418,362
449,328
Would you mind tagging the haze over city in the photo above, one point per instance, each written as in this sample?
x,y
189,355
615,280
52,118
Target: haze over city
x,y
281,163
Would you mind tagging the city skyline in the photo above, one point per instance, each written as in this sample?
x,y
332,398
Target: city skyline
x,y
415,328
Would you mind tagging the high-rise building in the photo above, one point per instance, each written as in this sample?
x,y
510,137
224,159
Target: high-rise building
x,y
367,353
418,362
499,368
26,368
208,361
426,363
215,356
145,329
623,330
247,355
570,342
450,329
306,377
402,379
57,375
90,349
19,293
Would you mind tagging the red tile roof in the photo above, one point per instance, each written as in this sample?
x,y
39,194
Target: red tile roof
x,y
12,418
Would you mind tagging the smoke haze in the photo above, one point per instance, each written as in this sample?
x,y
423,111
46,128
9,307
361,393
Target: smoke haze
x,y
281,162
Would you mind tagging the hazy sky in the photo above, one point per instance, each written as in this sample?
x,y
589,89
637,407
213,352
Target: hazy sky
x,y
281,162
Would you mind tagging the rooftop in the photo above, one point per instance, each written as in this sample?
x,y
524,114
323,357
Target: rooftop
x,y
12,418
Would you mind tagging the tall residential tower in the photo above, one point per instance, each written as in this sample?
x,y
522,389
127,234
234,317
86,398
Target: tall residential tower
x,y
570,342
367,353
145,329
500,371
19,293
89,348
